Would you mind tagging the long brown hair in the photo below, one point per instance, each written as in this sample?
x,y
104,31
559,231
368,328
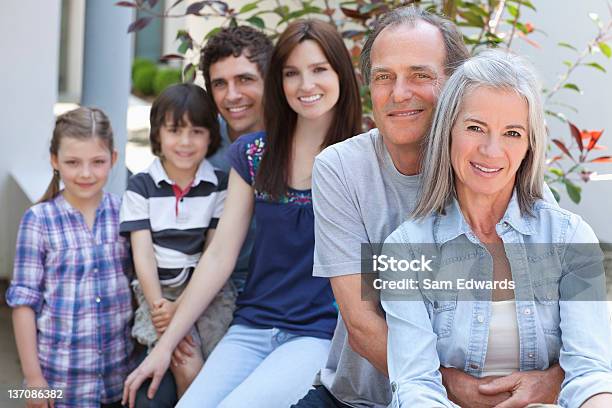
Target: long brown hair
x,y
81,123
280,120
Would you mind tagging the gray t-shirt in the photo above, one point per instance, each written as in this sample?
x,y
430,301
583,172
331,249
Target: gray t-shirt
x,y
358,197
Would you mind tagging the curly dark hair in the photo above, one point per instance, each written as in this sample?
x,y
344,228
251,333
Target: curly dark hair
x,y
233,41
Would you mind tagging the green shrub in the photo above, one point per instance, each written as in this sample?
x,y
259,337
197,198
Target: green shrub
x,y
165,78
139,63
144,78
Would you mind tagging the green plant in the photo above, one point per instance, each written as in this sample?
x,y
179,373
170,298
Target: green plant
x,y
485,23
583,143
143,79
140,63
165,78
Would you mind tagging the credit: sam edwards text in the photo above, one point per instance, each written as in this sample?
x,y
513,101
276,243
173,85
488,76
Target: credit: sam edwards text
x,y
459,284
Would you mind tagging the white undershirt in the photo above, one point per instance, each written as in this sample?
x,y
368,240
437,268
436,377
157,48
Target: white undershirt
x,y
503,346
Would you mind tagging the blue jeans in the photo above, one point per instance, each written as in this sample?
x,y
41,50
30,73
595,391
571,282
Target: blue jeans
x,y
253,368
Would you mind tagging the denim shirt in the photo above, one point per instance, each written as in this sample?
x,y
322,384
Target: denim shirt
x,y
560,304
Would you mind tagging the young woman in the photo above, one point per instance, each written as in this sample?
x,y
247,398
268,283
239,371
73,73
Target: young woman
x,y
285,318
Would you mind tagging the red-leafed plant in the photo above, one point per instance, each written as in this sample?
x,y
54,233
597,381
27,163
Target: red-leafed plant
x,y
582,143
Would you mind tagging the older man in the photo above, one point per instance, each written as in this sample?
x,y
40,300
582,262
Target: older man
x,y
363,189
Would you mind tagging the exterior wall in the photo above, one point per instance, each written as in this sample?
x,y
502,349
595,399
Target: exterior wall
x,y
29,33
106,74
75,27
573,25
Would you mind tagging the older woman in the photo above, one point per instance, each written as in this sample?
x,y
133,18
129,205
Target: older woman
x,y
505,280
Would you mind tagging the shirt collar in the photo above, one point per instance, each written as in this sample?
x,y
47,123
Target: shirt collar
x,y
452,224
513,216
205,172
62,203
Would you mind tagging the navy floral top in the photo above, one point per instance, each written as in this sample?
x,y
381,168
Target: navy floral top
x,y
280,290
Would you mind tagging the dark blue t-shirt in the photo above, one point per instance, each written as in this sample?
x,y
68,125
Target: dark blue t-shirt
x,y
280,290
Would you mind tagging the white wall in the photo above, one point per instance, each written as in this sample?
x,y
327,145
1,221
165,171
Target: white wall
x,y
74,50
569,22
29,40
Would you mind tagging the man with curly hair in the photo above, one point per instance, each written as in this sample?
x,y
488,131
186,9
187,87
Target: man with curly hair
x,y
233,63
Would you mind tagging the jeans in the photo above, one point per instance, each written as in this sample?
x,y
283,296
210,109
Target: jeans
x,y
165,397
319,397
253,368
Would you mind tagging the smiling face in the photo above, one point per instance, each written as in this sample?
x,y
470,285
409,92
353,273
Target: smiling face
x,y
183,146
237,88
406,75
84,166
311,85
489,140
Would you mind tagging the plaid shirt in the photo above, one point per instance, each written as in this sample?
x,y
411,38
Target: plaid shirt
x,y
74,280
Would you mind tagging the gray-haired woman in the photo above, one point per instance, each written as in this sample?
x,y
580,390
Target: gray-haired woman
x,y
520,276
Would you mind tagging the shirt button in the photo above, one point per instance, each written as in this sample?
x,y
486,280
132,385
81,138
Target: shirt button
x,y
531,355
98,300
527,311
480,318
505,224
474,366
95,270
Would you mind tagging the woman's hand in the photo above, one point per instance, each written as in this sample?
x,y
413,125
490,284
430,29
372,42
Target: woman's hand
x,y
162,313
183,351
527,387
38,383
155,365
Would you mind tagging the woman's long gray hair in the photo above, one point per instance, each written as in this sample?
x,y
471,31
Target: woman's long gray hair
x,y
499,70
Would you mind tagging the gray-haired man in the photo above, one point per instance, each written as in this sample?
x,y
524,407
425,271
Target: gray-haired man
x,y
363,189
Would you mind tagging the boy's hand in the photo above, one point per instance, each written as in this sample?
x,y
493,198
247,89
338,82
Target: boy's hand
x,y
162,313
38,383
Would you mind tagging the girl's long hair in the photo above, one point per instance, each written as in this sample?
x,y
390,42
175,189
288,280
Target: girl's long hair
x,y
280,120
81,123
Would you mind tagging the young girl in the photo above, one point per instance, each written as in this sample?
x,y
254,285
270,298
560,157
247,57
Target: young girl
x,y
170,212
70,297
285,318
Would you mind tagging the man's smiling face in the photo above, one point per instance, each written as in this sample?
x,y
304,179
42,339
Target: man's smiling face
x,y
237,88
406,77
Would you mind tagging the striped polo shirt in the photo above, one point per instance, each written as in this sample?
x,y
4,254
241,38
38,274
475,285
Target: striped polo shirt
x,y
178,223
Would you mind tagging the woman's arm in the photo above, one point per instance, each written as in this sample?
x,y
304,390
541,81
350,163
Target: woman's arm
x,y
164,310
213,270
412,357
586,337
